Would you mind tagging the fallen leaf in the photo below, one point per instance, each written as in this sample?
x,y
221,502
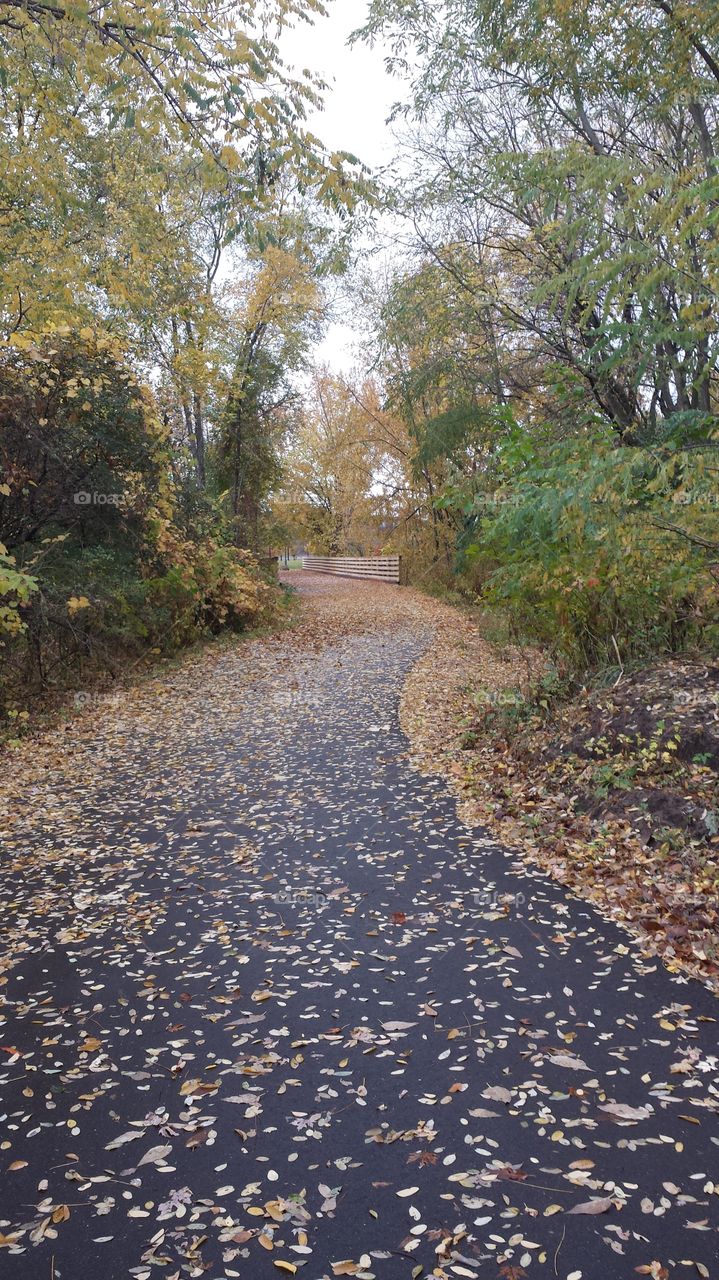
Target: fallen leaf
x,y
593,1206
497,1093
156,1155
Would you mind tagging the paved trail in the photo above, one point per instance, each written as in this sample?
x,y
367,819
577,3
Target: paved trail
x,y
271,1007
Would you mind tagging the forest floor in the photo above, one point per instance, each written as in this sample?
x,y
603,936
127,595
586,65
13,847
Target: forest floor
x,y
270,1007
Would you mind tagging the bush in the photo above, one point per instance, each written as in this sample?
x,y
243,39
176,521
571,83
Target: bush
x,y
603,553
101,565
15,591
207,588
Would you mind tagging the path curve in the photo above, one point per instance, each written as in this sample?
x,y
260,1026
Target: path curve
x,y
269,1006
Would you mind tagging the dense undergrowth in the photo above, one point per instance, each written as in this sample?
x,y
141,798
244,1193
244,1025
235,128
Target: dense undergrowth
x,y
603,555
110,554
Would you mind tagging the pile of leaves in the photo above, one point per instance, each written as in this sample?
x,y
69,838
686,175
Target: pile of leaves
x,y
611,790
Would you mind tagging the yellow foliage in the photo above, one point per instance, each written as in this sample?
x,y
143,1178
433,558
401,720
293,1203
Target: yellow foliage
x,y
76,603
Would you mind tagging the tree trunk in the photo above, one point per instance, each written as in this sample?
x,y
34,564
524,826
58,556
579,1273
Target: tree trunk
x,y
199,433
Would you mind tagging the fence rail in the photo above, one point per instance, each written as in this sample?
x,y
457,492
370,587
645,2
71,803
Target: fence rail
x,y
386,568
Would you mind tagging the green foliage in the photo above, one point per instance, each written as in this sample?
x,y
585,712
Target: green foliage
x,y
246,460
562,185
279,317
602,553
15,591
553,343
450,434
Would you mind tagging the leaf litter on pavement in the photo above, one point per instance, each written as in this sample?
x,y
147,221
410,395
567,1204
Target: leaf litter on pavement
x,y
270,1008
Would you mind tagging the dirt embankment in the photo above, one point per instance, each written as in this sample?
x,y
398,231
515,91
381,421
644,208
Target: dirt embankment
x,y
612,791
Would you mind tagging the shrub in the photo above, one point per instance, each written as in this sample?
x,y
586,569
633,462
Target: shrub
x,y
15,590
102,563
603,552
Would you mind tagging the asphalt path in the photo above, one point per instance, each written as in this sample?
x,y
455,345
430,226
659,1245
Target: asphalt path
x,y
271,1009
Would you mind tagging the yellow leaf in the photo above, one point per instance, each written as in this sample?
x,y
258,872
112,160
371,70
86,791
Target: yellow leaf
x,y
229,157
90,1045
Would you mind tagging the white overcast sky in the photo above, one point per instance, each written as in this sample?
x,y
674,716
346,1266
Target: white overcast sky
x,y
356,106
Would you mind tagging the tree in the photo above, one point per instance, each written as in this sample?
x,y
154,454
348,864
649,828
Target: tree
x,y
165,220
201,75
330,471
351,482
278,311
133,155
580,145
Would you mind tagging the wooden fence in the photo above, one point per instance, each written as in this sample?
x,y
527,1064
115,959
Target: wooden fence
x,y
386,568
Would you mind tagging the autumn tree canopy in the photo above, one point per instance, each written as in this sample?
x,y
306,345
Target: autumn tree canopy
x,y
168,219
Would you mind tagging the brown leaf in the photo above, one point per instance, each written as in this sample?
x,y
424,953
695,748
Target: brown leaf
x,y
510,1173
602,1205
197,1138
422,1158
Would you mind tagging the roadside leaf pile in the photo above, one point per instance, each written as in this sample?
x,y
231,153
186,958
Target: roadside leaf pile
x,y
614,792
